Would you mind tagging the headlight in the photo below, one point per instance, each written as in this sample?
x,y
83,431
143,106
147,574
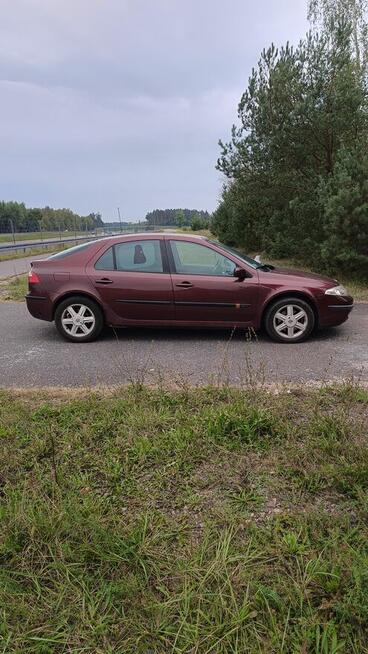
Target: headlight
x,y
336,290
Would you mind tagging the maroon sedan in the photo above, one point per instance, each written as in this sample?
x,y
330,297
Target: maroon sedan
x,y
178,280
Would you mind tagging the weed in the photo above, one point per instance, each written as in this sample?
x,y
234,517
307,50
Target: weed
x,y
14,288
130,522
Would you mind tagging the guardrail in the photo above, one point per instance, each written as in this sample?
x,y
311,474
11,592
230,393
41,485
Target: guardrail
x,y
47,243
23,247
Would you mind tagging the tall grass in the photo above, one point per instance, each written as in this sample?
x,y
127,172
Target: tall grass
x,y
207,521
14,288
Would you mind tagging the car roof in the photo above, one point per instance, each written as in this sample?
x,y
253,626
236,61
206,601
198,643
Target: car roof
x,y
148,235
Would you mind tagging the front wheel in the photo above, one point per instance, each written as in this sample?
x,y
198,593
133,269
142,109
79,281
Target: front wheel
x,y
79,319
289,320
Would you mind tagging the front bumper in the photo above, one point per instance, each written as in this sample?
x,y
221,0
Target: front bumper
x,y
336,310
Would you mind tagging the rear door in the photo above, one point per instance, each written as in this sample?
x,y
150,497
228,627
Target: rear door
x,y
133,278
205,288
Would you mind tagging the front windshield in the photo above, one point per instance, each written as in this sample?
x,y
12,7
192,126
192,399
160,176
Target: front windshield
x,y
240,255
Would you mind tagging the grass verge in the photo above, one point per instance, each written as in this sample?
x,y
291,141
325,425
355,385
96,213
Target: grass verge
x,y
38,236
206,521
14,288
30,252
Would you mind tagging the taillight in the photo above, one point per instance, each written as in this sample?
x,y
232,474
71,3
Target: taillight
x,y
33,278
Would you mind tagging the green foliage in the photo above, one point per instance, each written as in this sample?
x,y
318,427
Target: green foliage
x,y
253,428
15,216
324,13
344,196
199,221
177,217
14,288
303,130
162,521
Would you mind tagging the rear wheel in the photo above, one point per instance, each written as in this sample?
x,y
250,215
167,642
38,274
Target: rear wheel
x,y
79,319
289,320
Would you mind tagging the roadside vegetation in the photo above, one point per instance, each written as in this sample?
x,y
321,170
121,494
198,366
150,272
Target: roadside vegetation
x,y
177,218
296,165
29,252
14,288
29,236
23,221
206,520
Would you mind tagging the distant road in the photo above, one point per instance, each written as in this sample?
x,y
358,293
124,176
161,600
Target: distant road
x,y
33,354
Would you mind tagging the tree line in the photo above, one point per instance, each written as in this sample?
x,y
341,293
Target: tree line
x,y
15,216
197,219
296,167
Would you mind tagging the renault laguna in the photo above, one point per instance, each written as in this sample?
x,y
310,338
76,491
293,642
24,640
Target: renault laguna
x,y
178,280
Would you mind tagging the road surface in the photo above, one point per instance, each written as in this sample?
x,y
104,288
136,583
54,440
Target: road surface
x,y
33,354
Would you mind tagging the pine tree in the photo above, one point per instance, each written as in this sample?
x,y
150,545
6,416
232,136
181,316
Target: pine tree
x,y
302,116
325,13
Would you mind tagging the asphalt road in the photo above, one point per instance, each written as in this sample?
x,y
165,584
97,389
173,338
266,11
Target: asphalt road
x,y
33,354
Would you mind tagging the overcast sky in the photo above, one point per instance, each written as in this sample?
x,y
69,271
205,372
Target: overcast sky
x,y
107,103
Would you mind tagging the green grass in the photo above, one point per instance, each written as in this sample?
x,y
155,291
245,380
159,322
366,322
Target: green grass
x,y
14,288
32,252
205,521
32,236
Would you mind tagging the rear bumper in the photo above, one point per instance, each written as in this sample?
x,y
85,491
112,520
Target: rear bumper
x,y
39,307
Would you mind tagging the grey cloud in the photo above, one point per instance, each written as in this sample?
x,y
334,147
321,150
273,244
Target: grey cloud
x,y
123,101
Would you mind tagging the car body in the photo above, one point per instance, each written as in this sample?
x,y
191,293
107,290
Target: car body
x,y
182,280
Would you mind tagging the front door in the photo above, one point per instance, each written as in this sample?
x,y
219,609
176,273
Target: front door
x,y
132,277
205,288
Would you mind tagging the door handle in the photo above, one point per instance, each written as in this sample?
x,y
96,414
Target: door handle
x,y
184,284
104,280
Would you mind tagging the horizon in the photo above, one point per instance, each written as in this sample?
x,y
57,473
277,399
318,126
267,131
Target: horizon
x,y
125,103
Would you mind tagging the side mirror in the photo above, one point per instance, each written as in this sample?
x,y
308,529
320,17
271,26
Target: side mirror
x,y
240,273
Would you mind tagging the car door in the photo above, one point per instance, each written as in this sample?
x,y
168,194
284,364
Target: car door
x,y
133,279
205,288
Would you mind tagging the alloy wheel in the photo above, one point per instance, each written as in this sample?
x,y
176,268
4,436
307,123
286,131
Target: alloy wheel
x,y
78,320
290,321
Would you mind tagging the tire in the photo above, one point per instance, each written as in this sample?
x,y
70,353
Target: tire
x,y
283,324
79,319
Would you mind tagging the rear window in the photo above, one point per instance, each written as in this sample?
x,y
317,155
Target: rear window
x,y
106,262
139,256
73,250
132,256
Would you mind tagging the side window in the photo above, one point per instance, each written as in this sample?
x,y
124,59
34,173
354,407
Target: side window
x,y
106,262
196,259
139,256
